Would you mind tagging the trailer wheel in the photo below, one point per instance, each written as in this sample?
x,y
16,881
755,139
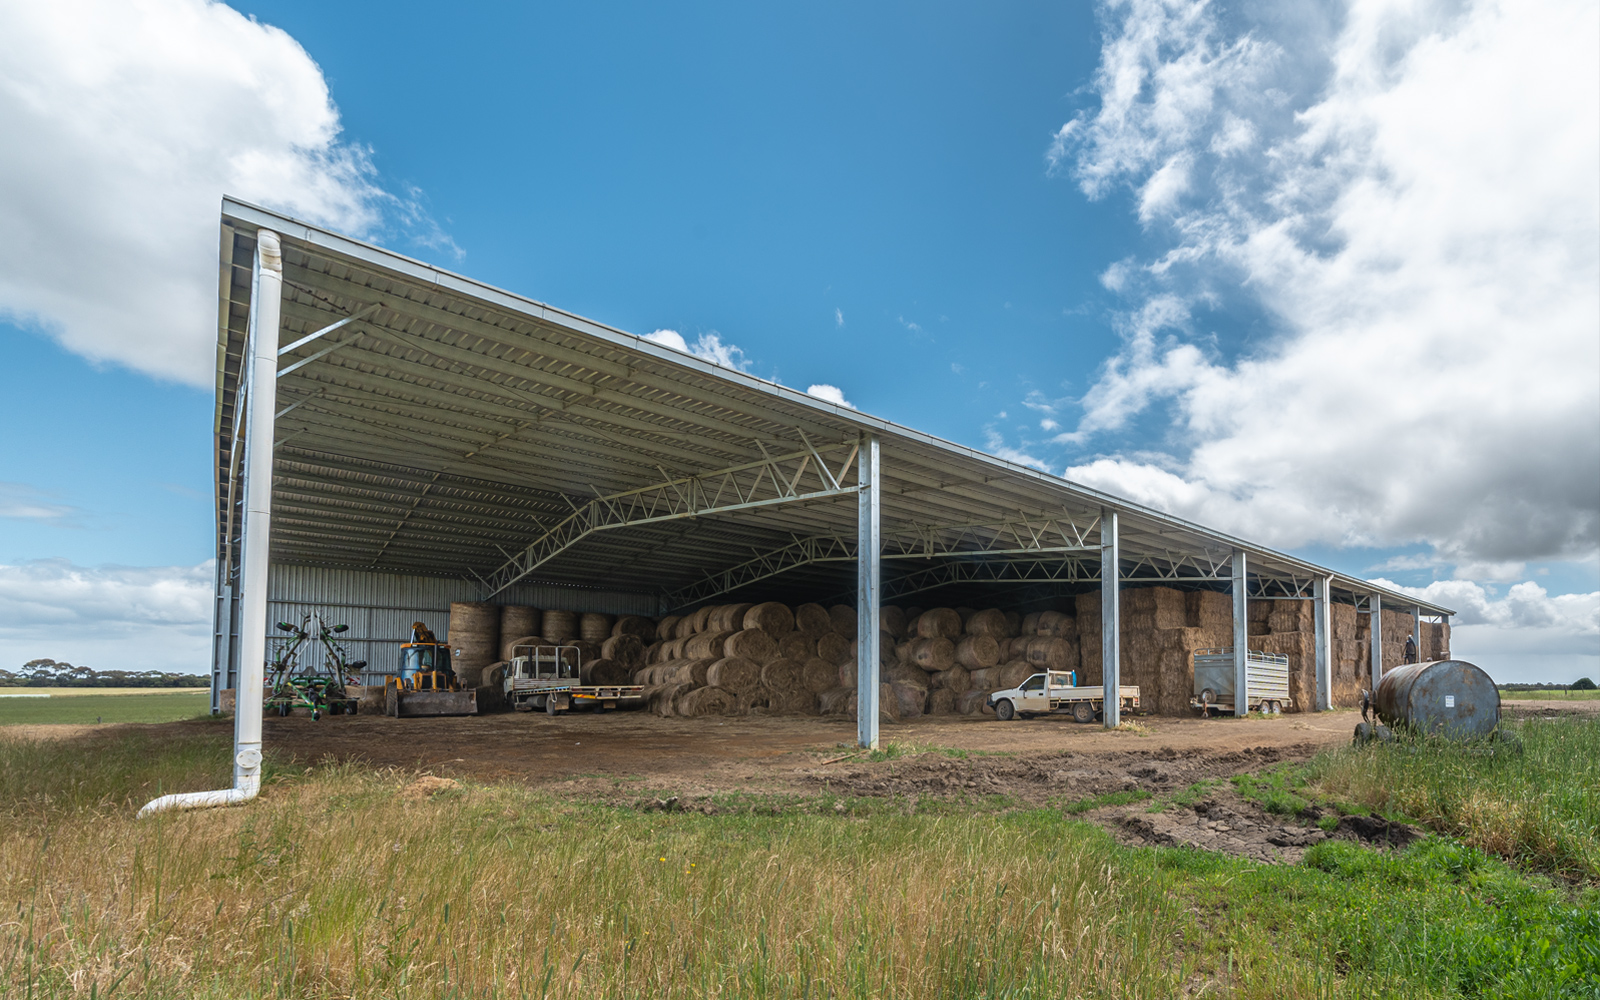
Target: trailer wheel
x,y
550,706
1005,710
1083,712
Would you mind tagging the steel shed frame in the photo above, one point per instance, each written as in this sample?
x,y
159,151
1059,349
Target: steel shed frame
x,y
428,424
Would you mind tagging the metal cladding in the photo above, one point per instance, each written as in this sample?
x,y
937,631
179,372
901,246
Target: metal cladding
x,y
1449,697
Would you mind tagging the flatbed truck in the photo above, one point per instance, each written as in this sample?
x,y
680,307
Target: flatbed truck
x,y
548,678
1057,692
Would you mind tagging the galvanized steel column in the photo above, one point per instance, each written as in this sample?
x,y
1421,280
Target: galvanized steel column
x,y
1416,631
1375,609
1241,635
266,300
1110,621
1322,638
869,510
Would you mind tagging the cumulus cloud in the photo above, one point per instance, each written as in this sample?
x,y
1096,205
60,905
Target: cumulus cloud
x,y
707,347
1405,193
831,393
106,616
124,125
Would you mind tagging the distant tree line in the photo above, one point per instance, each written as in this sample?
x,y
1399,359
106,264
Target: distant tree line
x,y
54,673
1581,684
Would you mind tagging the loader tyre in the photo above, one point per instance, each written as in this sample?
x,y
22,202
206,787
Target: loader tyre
x,y
1005,710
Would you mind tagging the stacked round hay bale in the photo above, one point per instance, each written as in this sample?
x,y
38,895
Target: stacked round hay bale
x,y
594,627
474,637
560,626
517,621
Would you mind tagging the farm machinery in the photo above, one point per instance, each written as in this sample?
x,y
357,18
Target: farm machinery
x,y
426,684
318,691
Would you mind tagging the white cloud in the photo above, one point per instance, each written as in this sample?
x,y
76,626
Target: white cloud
x,y
707,347
997,447
838,317
107,616
1406,192
124,125
831,393
29,503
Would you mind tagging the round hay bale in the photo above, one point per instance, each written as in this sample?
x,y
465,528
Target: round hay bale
x,y
955,679
973,703
493,675
1052,622
753,644
906,673
626,649
990,622
682,672
833,647
594,627
516,619
667,628
987,679
734,673
685,627
892,620
843,617
977,651
793,702
965,613
606,672
1046,652
1030,624
941,701
559,626
586,650
474,636
672,649
910,701
818,675
847,675
939,623
661,697
933,654
1013,622
837,701
772,618
783,675
902,651
800,646
509,651
888,706
812,618
886,646
706,701
652,653
698,621
1014,673
707,644
636,625
732,618
912,614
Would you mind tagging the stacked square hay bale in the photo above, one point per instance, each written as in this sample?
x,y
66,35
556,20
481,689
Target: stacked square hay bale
x,y
1161,630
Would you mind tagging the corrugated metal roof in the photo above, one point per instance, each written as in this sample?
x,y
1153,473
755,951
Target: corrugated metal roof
x,y
457,423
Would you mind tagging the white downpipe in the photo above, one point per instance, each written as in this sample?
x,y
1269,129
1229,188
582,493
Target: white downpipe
x,y
266,300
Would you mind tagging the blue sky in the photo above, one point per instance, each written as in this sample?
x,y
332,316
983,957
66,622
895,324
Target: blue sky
x,y
1212,290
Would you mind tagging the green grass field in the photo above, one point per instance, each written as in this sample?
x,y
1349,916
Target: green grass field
x,y
347,882
1550,695
161,706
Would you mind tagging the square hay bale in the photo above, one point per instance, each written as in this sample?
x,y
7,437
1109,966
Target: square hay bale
x,y
1087,608
1170,608
1396,626
1258,627
1292,616
1346,683
1138,621
1300,648
1344,620
1259,610
1089,660
1208,609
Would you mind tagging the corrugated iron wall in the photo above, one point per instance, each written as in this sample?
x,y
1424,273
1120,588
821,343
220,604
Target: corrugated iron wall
x,y
380,607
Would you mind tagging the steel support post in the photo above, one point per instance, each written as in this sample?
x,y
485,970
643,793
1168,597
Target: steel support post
x,y
1444,637
1241,635
869,509
266,301
1416,631
1110,621
221,639
1322,637
1375,610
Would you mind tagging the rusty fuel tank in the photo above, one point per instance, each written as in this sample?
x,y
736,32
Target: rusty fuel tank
x,y
1448,697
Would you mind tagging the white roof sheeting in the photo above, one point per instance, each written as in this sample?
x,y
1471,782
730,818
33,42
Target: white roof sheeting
x,y
455,424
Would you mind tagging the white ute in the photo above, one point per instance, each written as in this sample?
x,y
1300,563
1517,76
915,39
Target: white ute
x,y
1057,691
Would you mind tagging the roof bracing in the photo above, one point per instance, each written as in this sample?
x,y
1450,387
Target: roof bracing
x,y
431,424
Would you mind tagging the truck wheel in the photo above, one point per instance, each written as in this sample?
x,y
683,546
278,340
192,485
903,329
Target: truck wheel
x,y
550,707
1004,710
1083,712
